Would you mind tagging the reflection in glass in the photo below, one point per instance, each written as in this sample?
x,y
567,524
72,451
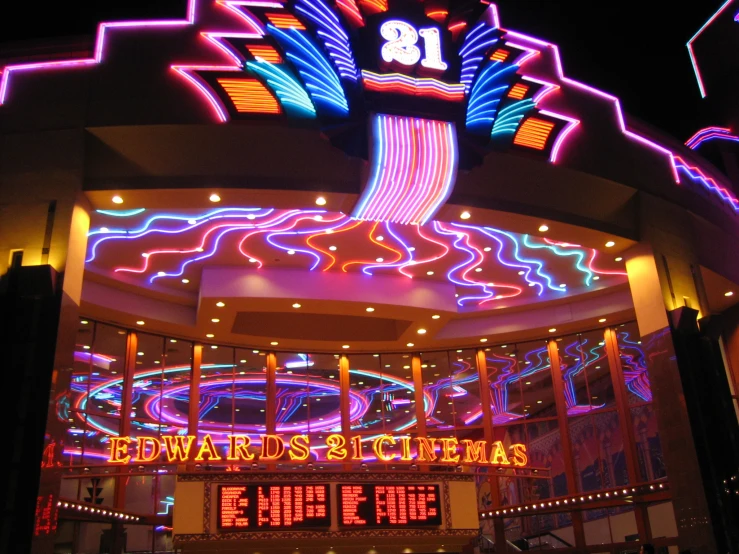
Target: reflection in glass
x,y
634,364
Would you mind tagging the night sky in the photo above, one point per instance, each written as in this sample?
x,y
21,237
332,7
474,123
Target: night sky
x,y
634,49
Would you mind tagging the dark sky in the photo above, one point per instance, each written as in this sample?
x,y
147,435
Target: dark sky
x,y
634,49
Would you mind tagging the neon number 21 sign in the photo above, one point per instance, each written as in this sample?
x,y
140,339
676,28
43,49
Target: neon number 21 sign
x,y
401,46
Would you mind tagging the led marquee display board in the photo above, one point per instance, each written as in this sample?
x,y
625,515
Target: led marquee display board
x,y
391,505
252,507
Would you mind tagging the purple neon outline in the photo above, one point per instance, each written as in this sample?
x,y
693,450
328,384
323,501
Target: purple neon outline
x,y
691,53
602,94
216,38
572,123
98,50
710,133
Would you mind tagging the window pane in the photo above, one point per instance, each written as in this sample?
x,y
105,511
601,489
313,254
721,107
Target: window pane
x,y
611,444
571,354
437,390
216,411
649,449
292,393
147,384
465,389
367,397
324,394
398,388
175,404
250,392
504,383
634,364
106,373
536,380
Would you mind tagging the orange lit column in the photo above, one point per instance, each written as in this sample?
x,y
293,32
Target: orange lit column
x,y
344,385
487,428
627,428
132,340
271,423
564,430
661,282
193,414
418,387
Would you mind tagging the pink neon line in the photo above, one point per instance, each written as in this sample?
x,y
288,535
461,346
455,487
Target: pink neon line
x,y
392,154
216,38
518,292
722,191
592,90
531,52
439,167
707,134
601,272
205,91
418,180
232,5
405,181
98,50
547,87
572,123
691,53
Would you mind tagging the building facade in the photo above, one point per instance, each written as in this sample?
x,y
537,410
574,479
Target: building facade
x,y
362,276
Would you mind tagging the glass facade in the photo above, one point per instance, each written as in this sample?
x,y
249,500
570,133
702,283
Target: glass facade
x,y
506,393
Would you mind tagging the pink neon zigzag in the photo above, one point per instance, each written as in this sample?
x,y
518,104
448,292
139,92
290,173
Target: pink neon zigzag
x,y
619,112
99,47
710,133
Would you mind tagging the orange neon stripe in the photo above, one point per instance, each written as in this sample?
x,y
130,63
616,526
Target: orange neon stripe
x,y
328,252
250,96
534,133
437,13
518,91
267,53
376,5
400,254
500,55
284,21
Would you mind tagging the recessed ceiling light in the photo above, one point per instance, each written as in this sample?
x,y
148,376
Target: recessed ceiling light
x,y
186,281
483,340
464,215
429,273
729,293
255,351
487,249
192,221
214,347
252,260
320,201
602,320
215,320
86,347
380,260
370,309
596,278
345,346
478,269
161,273
318,218
421,331
210,335
409,344
543,228
332,248
274,343
290,252
379,238
139,353
563,286
619,259
84,322
435,316
144,254
117,200
296,305
104,229
220,304
140,322
250,216
173,340
552,330
610,243
214,198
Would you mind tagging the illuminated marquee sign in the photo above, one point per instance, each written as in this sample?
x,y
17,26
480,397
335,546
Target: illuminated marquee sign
x,y
364,505
266,506
400,46
298,448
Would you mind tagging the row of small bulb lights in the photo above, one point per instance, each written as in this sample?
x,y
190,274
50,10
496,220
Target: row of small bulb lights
x,y
93,510
575,499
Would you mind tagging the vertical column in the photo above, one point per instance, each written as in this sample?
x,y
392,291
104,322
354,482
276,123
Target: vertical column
x,y
652,288
271,362
418,386
344,385
627,428
487,428
193,414
564,430
119,496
